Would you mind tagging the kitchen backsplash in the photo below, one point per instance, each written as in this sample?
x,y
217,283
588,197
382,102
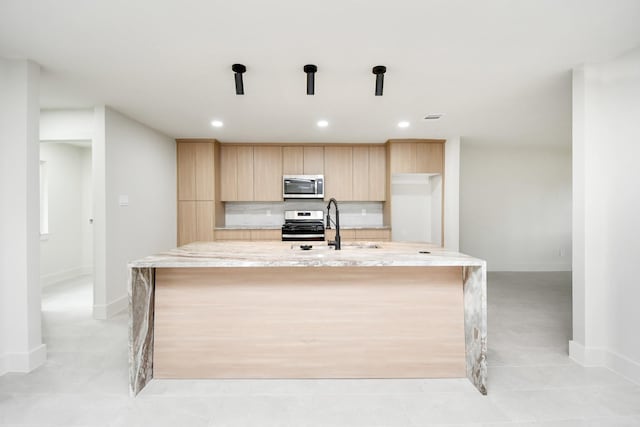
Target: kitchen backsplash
x,y
271,214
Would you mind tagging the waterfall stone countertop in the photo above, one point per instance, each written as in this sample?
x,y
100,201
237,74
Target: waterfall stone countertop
x,y
289,254
242,254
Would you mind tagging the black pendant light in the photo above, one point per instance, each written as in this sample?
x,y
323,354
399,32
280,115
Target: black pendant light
x,y
311,69
239,69
379,71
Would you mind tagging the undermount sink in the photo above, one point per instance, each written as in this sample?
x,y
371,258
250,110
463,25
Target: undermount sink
x,y
320,246
362,245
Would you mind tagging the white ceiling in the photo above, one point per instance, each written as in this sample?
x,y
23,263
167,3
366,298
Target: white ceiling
x,y
500,70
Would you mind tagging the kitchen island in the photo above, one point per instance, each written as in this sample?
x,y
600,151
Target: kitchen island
x,y
274,310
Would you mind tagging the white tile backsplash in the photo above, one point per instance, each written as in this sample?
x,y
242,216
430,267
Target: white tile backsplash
x,y
270,214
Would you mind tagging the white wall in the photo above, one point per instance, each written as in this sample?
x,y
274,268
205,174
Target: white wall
x,y
21,347
66,125
606,101
452,194
515,206
134,161
64,254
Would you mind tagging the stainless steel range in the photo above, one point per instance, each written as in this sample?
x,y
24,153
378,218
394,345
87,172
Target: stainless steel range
x,y
303,226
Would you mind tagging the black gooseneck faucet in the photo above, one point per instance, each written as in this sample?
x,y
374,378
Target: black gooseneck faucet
x,y
336,243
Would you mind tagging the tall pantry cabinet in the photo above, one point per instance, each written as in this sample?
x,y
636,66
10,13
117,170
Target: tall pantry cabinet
x,y
196,190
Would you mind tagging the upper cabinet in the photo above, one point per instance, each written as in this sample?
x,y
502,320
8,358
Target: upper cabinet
x,y
267,173
416,156
228,172
298,160
195,171
352,172
377,173
292,160
236,173
338,173
313,160
356,173
250,173
360,185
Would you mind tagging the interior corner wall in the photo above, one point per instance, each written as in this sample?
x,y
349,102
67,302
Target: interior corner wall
x,y
63,253
606,105
137,205
515,206
21,347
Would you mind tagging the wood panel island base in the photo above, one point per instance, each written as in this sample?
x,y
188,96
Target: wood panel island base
x,y
271,310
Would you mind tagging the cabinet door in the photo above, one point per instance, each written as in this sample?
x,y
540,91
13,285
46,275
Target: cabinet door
x,y
233,234
228,173
204,221
186,153
373,234
265,234
348,235
204,176
292,160
338,173
313,160
377,173
187,222
360,173
429,157
245,173
403,157
267,170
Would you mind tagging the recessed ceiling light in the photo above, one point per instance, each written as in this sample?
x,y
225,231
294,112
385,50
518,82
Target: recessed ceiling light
x,y
216,123
323,123
403,124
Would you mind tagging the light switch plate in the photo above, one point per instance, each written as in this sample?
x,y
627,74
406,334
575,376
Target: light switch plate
x,y
123,200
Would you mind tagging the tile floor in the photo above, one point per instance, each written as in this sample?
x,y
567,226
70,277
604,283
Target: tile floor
x,y
532,382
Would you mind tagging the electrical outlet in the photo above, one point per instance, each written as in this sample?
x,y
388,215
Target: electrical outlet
x,y
364,212
268,212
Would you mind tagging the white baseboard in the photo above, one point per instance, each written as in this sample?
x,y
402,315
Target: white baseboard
x,y
23,362
106,311
61,276
596,356
529,267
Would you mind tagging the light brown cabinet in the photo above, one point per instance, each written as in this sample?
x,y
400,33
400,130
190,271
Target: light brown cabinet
x,y
196,183
360,189
292,160
416,156
377,173
195,221
360,234
228,173
355,173
195,171
236,173
267,173
298,160
250,173
338,173
248,234
313,160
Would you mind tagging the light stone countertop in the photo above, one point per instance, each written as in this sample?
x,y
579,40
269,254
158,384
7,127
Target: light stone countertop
x,y
289,254
278,227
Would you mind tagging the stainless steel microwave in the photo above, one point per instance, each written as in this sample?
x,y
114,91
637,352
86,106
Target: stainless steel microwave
x,y
303,186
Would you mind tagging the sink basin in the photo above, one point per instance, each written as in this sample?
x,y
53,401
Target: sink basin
x,y
361,245
320,246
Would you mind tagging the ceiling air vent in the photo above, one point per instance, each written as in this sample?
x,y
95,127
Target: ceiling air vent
x,y
432,116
